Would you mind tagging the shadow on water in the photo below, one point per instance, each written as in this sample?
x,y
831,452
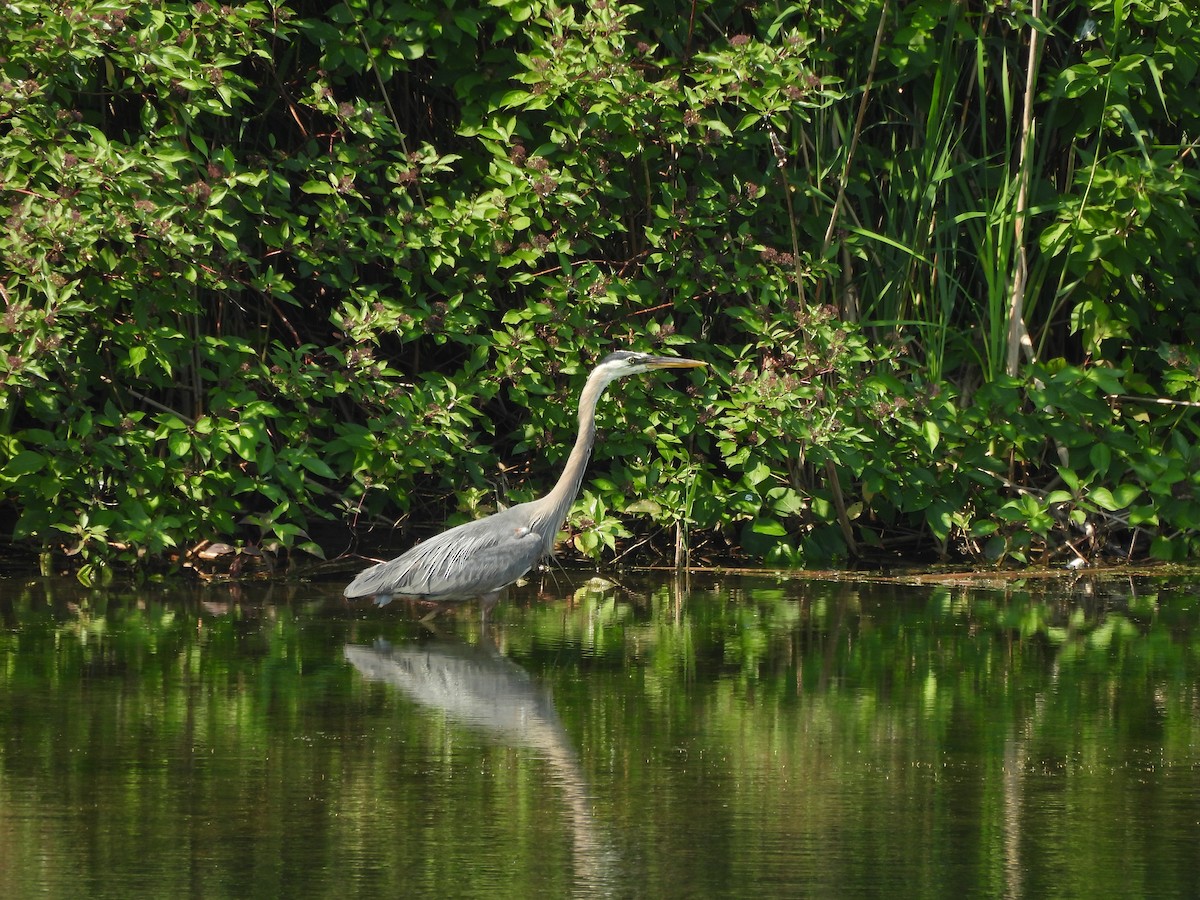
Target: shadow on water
x,y
475,685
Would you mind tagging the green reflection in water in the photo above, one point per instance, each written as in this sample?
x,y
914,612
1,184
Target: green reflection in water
x,y
742,736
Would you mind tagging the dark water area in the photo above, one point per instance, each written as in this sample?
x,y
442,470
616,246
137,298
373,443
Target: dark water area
x,y
728,737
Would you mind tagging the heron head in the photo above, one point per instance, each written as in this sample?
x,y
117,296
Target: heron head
x,y
629,362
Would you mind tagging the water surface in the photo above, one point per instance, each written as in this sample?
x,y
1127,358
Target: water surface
x,y
728,737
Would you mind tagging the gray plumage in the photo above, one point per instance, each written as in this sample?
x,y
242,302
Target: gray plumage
x,y
479,559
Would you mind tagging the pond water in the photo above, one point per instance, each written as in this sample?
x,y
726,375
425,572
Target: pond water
x,y
733,736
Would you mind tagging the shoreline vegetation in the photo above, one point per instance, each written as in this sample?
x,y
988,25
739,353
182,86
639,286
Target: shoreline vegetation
x,y
309,279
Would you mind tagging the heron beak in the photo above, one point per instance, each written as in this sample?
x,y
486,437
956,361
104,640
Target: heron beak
x,y
674,362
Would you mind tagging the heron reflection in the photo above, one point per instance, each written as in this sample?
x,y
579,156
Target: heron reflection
x,y
478,686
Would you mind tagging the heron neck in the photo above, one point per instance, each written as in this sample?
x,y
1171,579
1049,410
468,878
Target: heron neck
x,y
563,494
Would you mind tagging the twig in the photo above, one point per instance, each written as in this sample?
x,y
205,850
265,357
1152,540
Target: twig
x,y
150,401
620,556
387,99
1161,401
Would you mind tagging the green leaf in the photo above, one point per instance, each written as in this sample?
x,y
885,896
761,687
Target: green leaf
x,y
312,548
318,467
940,518
587,542
758,474
244,443
1112,501
1108,380
25,462
1070,478
933,434
770,527
137,355
1143,515
179,443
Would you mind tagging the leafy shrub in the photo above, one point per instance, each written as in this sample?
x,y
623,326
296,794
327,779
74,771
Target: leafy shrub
x,y
272,265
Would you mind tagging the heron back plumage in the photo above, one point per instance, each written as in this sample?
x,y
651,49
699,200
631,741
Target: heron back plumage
x,y
466,562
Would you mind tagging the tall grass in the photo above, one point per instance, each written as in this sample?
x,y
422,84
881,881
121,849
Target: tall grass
x,y
938,189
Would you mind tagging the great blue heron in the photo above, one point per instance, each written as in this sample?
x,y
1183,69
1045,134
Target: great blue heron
x,y
479,559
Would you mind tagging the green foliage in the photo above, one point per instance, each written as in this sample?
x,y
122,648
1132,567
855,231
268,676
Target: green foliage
x,y
268,265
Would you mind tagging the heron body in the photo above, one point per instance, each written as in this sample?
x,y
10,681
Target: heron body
x,y
479,559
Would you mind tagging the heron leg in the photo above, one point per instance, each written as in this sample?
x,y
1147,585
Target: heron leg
x,y
486,602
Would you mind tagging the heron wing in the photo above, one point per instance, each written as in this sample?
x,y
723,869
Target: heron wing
x,y
467,561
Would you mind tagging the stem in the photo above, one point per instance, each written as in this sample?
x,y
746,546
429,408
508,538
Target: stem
x,y
780,164
858,125
839,504
681,552
1018,336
